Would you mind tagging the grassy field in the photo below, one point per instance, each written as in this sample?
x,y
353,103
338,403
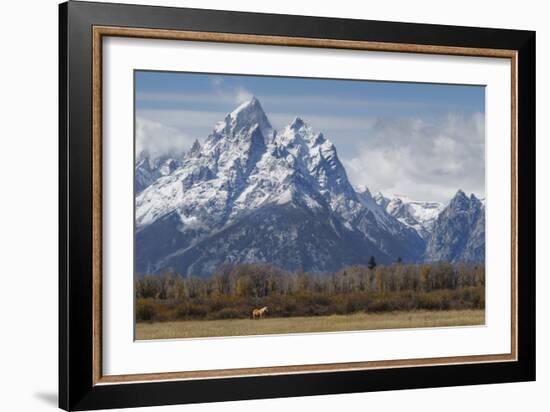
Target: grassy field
x,y
357,321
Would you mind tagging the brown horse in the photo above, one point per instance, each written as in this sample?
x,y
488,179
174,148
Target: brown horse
x,y
259,313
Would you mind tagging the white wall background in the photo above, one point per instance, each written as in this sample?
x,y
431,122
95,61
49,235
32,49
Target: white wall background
x,y
28,203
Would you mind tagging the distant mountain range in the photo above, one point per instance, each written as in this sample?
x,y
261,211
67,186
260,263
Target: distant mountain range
x,y
251,193
419,215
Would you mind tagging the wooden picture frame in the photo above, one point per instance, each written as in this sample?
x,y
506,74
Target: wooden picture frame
x,y
82,385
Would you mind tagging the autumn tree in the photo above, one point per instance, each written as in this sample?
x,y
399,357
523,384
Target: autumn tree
x,y
380,273
426,278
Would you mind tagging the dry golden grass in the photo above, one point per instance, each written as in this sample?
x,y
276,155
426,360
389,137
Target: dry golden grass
x,y
333,323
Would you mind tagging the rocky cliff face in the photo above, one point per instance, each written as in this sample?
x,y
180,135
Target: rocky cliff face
x,y
459,232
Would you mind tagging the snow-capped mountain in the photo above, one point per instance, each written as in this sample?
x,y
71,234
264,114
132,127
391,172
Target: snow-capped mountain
x,y
254,194
419,215
149,169
459,231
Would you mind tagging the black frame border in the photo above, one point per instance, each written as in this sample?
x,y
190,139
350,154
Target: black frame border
x,y
76,388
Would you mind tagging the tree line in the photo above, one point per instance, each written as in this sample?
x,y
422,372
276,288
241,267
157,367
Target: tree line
x,y
232,291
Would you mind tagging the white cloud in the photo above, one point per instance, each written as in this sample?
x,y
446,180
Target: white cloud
x,y
216,81
158,139
242,95
421,159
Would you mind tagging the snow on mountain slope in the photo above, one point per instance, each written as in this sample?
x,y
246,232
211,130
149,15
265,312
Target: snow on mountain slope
x,y
148,169
419,215
246,168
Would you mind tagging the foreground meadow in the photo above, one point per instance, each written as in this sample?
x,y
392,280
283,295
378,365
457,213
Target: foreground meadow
x,y
331,323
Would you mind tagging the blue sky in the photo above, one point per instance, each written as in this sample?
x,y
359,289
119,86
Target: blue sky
x,y
421,140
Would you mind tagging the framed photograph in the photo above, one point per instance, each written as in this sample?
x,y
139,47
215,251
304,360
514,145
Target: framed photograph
x,y
257,205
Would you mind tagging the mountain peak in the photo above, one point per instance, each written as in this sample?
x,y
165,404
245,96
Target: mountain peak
x,y
459,232
459,198
461,201
247,116
299,127
297,123
361,188
460,194
252,104
195,149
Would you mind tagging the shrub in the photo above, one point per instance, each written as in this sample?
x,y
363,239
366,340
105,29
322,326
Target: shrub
x,y
228,313
188,310
145,309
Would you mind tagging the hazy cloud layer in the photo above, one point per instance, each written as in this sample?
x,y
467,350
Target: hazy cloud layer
x,y
423,160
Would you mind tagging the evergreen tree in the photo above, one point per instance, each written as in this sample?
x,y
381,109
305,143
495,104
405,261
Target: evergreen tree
x,y
371,263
